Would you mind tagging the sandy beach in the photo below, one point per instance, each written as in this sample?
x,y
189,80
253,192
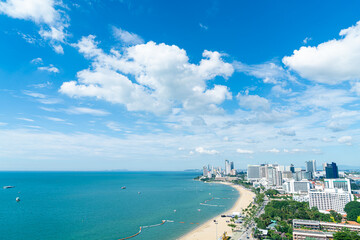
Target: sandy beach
x,y
207,231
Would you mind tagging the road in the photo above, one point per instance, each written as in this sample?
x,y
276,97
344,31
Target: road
x,y
249,230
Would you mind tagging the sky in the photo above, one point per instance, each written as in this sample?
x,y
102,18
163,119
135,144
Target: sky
x,y
174,85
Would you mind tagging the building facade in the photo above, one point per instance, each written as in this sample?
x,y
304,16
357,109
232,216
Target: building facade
x,y
329,199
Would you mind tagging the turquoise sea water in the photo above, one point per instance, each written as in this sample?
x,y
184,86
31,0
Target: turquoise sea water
x,y
92,205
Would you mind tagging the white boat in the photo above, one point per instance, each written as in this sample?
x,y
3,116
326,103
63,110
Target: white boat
x,y
6,187
123,187
17,199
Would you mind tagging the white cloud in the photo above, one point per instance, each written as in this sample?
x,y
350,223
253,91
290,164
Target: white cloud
x,y
326,139
269,72
346,140
307,39
26,119
330,62
287,132
3,124
206,151
278,90
356,88
164,78
52,21
85,110
42,98
203,26
253,102
244,151
55,119
37,61
114,126
274,150
321,97
49,68
126,37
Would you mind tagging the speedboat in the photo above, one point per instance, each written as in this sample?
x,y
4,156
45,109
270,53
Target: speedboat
x,y
123,187
17,199
6,187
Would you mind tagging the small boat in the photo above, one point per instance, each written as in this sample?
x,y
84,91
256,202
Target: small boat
x,y
139,192
123,187
199,210
6,187
174,210
17,199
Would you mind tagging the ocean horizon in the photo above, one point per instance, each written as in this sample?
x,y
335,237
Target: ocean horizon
x,y
92,205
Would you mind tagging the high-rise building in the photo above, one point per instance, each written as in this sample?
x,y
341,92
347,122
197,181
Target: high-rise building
x,y
293,186
231,166
311,166
205,171
292,168
331,170
329,199
263,171
227,167
343,184
253,172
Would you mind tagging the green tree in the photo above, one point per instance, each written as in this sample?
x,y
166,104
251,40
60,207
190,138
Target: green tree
x,y
351,206
353,214
345,234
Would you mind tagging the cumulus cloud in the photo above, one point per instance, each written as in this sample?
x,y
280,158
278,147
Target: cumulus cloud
x,y
244,151
163,78
269,72
206,151
45,13
126,37
331,62
253,102
49,68
346,140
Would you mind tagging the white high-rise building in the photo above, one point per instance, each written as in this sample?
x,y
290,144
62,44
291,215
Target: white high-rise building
x,y
253,172
330,199
205,171
339,183
293,186
311,166
227,167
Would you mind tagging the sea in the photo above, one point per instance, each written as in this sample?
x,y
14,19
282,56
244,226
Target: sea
x,y
93,205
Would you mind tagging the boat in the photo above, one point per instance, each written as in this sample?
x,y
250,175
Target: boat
x,y
123,187
17,199
139,192
6,187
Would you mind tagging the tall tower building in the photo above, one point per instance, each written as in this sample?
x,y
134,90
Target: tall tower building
x,y
311,166
227,167
331,170
253,172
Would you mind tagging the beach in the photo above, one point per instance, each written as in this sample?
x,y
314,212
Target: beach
x,y
208,230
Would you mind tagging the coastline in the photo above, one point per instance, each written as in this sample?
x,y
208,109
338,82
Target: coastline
x,y
207,231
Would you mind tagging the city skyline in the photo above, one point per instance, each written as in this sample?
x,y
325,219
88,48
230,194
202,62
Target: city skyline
x,y
148,89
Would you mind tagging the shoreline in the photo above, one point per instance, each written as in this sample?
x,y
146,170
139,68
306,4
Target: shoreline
x,y
207,230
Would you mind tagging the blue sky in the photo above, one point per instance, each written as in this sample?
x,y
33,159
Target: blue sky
x,y
164,85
